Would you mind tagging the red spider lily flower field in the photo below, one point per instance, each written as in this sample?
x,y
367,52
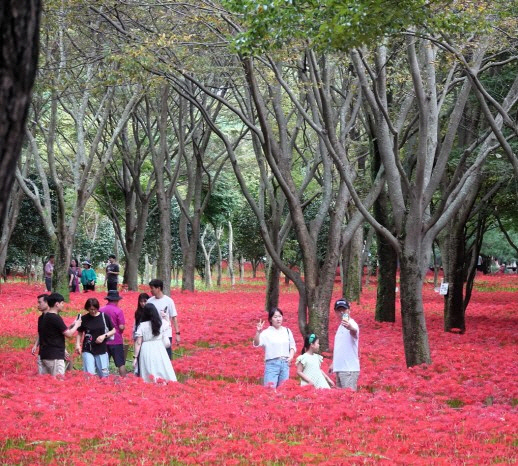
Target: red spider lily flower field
x,y
460,410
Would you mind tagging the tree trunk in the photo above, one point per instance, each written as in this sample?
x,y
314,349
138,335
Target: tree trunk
x,y
164,244
415,336
206,254
386,291
9,223
317,308
454,273
242,269
60,278
131,269
162,165
189,244
231,254
273,276
366,260
19,49
353,272
219,263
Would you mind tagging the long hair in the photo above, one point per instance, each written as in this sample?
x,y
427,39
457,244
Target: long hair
x,y
140,309
151,314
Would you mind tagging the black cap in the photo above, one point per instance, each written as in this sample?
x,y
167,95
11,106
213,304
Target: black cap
x,y
342,303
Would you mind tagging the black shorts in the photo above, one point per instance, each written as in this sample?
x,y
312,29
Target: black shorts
x,y
117,353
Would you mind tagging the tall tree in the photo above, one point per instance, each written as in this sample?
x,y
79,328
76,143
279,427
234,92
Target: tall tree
x,y
70,140
128,188
19,49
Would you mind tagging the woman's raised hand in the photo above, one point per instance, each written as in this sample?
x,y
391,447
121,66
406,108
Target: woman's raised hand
x,y
260,325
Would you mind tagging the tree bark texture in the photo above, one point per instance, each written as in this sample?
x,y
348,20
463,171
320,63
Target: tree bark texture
x,y
415,335
273,276
454,273
353,273
386,290
9,223
19,48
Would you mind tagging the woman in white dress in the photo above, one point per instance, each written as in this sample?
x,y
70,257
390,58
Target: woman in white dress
x,y
150,354
309,362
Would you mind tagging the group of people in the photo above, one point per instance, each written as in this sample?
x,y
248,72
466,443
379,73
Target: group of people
x,y
279,351
84,276
99,335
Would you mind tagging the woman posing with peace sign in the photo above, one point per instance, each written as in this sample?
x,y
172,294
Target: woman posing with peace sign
x,y
279,348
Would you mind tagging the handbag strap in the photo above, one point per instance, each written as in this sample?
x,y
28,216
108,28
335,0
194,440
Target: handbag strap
x,y
105,326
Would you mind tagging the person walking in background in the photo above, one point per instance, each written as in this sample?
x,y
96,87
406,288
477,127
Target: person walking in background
x,y
112,273
42,307
279,348
309,365
166,309
74,274
49,270
115,346
346,363
151,358
93,334
52,332
88,277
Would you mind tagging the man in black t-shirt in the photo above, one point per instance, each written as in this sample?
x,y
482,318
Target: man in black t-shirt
x,y
52,332
42,307
112,273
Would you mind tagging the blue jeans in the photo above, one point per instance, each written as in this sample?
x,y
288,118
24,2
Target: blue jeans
x,y
96,364
276,371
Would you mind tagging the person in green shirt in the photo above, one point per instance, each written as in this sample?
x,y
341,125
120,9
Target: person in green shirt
x,y
88,277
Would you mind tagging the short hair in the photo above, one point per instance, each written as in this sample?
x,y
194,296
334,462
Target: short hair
x,y
45,297
112,256
92,302
271,313
54,298
51,256
157,283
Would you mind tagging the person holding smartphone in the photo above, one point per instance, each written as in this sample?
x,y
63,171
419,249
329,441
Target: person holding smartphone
x,y
346,363
51,333
93,334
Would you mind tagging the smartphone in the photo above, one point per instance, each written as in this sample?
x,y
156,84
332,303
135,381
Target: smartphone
x,y
78,316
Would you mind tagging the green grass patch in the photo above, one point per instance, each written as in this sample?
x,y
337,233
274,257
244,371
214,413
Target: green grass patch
x,y
455,403
14,342
16,443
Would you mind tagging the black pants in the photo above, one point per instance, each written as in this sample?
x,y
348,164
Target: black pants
x,y
112,285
